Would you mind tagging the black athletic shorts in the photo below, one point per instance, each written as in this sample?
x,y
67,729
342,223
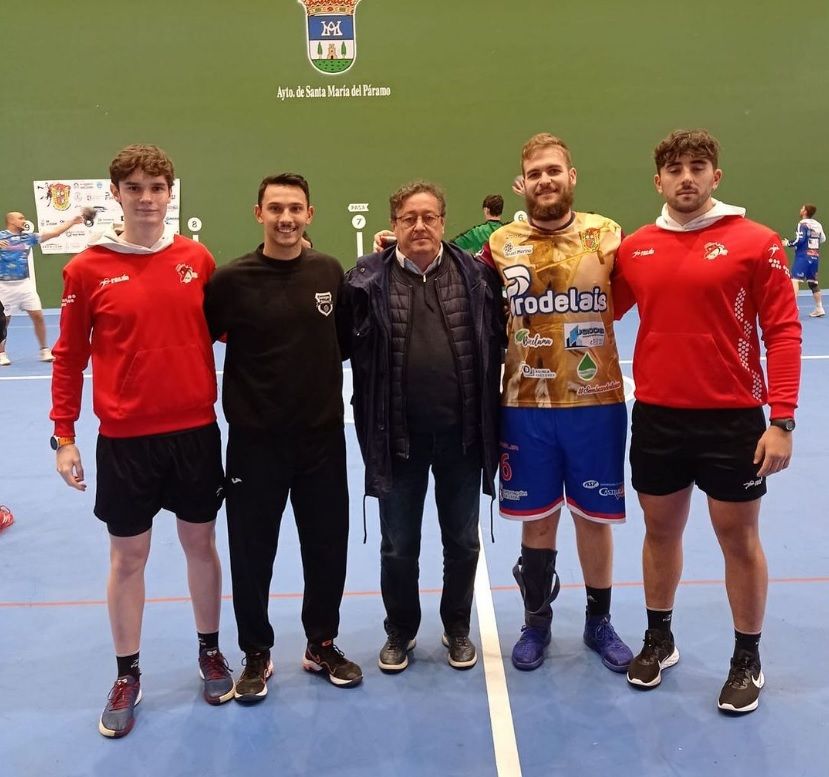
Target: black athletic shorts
x,y
670,448
177,471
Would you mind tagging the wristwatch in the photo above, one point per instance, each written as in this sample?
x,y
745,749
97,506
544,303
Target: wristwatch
x,y
786,424
58,442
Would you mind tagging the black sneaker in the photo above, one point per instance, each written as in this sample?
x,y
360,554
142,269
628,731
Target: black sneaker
x,y
658,653
328,658
741,692
462,653
394,654
252,686
218,682
118,716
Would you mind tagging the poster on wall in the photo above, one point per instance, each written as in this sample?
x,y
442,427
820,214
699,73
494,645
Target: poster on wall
x,y
56,201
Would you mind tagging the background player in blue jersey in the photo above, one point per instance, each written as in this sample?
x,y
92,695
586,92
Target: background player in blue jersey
x,y
17,287
806,244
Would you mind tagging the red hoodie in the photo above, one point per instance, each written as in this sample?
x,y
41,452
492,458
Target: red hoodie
x,y
139,315
701,294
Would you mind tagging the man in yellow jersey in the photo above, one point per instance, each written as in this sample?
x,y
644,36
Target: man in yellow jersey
x,y
563,414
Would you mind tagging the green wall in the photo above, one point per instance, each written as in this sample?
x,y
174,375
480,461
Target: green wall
x,y
470,81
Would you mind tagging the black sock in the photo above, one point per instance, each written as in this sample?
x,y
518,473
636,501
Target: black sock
x,y
208,641
598,601
128,665
660,619
748,642
537,566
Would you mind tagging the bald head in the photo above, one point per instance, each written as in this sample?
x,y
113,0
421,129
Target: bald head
x,y
15,221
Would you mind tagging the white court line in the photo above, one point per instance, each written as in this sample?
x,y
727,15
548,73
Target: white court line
x,y
507,763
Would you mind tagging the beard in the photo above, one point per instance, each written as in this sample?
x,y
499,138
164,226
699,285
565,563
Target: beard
x,y
552,211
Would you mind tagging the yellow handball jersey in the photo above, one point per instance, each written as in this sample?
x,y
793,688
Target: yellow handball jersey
x,y
562,350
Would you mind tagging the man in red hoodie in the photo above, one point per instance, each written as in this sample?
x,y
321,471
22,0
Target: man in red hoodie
x,y
704,277
133,302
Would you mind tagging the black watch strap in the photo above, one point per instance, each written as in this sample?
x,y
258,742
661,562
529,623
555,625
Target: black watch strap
x,y
787,424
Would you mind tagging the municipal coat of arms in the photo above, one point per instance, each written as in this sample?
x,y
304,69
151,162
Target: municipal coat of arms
x,y
332,43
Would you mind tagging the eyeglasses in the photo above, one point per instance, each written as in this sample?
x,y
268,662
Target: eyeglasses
x,y
428,219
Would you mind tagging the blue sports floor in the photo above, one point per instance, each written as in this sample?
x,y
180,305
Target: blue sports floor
x,y
570,717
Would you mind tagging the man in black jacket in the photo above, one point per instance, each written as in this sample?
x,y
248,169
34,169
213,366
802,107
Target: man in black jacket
x,y
422,321
282,397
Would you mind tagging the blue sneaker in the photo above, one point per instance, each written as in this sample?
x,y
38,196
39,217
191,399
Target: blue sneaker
x,y
600,636
528,652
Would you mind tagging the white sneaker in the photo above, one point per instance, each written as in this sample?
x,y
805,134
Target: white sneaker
x,y
816,313
5,361
46,355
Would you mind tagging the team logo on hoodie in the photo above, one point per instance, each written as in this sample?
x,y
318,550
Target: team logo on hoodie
x,y
186,273
712,250
325,304
330,33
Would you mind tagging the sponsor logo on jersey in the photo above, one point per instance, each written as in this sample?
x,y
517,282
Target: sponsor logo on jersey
x,y
643,252
598,388
511,250
590,484
586,334
591,239
68,300
572,300
523,337
587,368
518,280
325,303
186,274
712,250
540,373
331,34
116,279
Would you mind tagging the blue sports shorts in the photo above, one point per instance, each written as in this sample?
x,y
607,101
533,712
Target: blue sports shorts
x,y
575,454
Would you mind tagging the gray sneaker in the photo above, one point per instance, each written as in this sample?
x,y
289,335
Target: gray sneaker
x,y
218,682
118,716
394,655
462,653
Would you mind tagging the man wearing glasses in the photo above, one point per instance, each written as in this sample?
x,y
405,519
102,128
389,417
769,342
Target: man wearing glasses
x,y
422,325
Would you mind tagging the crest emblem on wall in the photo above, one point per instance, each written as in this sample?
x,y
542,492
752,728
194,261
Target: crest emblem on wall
x,y
330,34
57,194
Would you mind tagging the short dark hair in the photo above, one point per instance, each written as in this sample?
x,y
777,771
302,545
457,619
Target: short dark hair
x,y
284,179
151,159
494,203
416,187
810,210
697,142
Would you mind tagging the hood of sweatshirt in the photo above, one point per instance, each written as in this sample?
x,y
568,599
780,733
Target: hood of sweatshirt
x,y
719,210
112,238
